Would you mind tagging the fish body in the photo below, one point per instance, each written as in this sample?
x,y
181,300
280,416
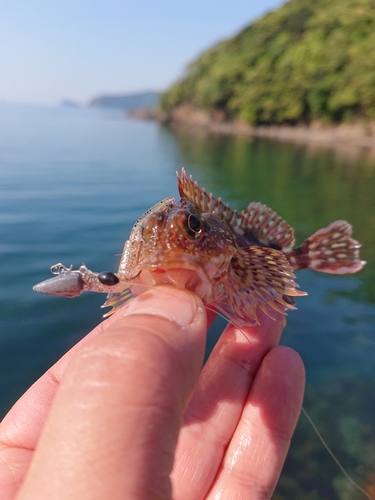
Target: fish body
x,y
236,262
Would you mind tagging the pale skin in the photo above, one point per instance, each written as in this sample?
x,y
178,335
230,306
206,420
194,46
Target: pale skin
x,y
128,413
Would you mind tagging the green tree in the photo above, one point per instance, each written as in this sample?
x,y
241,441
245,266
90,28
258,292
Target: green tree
x,y
310,59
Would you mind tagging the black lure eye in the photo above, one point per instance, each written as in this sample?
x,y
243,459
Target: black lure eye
x,y
108,278
193,226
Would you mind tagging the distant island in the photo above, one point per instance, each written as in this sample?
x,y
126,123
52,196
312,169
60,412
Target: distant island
x,y
127,102
308,64
68,103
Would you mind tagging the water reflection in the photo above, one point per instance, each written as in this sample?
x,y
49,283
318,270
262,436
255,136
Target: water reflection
x,y
334,327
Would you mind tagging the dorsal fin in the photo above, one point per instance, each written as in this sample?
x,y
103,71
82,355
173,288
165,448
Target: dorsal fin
x,y
258,221
267,226
189,189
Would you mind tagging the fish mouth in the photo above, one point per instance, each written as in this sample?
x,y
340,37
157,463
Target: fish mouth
x,y
188,275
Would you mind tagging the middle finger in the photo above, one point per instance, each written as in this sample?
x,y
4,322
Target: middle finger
x,y
215,408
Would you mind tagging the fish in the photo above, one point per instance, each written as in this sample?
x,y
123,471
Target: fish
x,y
237,262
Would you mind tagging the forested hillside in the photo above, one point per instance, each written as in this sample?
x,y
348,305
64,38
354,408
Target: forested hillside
x,y
310,59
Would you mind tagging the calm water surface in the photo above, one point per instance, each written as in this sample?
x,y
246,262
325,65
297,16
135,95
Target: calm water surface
x,y
72,183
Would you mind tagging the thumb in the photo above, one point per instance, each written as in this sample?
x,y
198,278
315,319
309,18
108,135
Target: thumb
x,y
114,423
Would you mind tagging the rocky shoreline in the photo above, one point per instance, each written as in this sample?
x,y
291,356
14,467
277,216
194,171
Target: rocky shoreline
x,y
360,134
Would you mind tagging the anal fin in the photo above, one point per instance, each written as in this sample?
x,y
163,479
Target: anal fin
x,y
116,300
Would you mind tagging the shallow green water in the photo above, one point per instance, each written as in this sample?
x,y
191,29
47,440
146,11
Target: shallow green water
x,y
334,326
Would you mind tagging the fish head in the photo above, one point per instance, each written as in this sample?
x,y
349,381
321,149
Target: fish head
x,y
183,246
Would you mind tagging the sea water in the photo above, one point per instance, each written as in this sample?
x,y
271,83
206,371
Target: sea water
x,y
73,182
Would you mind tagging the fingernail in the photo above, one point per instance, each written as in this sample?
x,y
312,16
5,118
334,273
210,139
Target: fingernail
x,y
173,304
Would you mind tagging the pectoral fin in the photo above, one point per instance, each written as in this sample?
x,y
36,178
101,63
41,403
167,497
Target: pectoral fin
x,y
258,278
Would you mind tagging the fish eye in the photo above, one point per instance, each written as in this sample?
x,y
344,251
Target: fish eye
x,y
193,226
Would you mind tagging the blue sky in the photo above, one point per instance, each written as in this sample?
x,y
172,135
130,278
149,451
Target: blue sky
x,y
78,49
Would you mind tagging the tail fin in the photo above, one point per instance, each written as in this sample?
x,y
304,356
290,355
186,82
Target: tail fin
x,y
329,250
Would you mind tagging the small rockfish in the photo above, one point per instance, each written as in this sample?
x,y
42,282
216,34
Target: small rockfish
x,y
236,262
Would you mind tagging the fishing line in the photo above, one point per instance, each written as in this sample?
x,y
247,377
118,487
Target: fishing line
x,y
324,443
335,459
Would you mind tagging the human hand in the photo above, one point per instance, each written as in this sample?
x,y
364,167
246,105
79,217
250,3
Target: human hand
x,y
104,421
